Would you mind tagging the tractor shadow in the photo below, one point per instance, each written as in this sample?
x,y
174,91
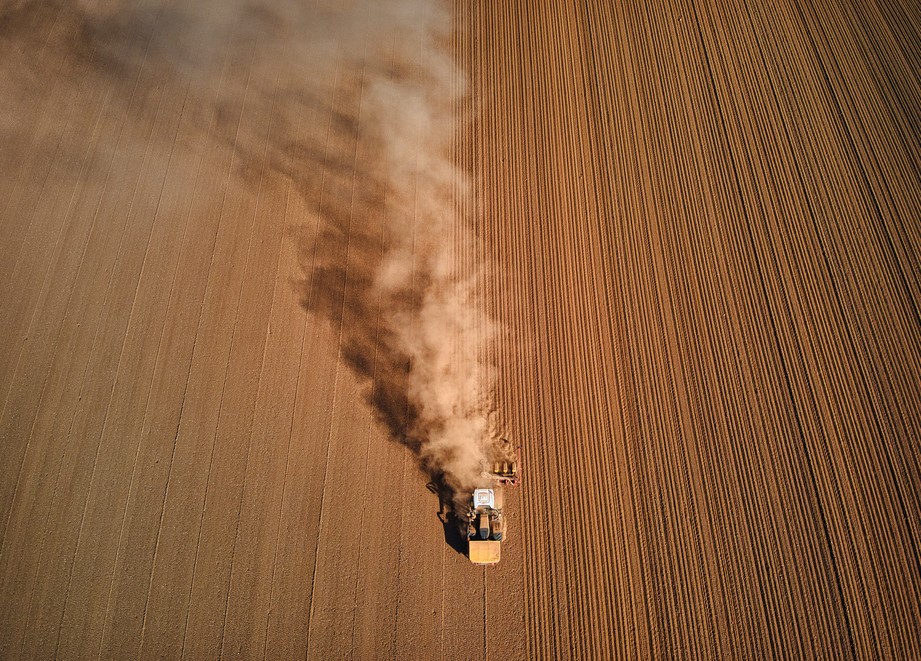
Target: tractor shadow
x,y
451,521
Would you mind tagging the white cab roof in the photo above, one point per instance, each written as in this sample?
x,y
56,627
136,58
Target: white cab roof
x,y
484,498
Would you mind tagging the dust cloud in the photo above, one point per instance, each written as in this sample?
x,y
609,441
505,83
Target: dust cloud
x,y
414,329
364,99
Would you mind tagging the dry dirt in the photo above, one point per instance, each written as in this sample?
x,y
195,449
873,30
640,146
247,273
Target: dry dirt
x,y
702,226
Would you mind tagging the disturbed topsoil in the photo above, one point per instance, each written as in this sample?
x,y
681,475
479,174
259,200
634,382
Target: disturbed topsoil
x,y
698,229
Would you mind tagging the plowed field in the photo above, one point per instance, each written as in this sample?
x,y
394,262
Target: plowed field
x,y
698,227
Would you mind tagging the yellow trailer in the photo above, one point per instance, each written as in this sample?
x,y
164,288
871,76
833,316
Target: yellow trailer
x,y
485,551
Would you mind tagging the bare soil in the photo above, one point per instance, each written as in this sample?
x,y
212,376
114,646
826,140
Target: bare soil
x,y
701,226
